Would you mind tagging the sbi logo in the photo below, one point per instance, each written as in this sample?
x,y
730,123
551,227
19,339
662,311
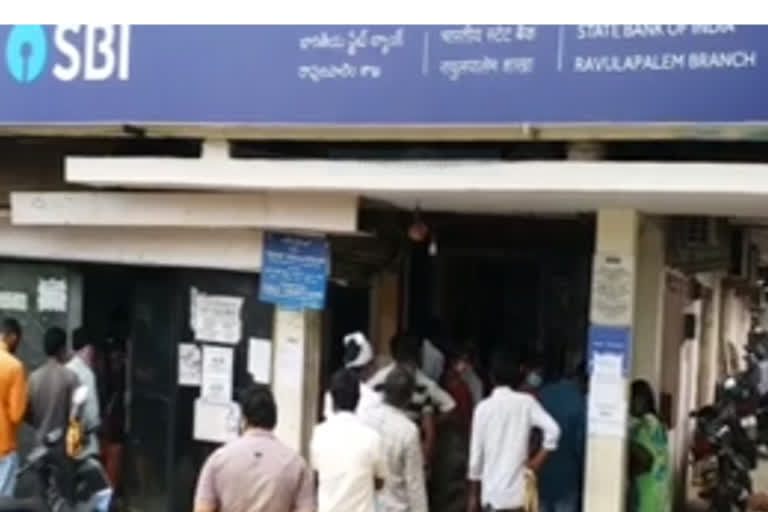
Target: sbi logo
x,y
93,53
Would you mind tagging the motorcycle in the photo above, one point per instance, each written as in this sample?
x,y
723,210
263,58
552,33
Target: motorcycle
x,y
66,484
726,438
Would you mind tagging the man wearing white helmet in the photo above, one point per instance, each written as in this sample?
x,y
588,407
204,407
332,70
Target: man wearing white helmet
x,y
358,356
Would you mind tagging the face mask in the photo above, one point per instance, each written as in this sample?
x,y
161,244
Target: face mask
x,y
533,380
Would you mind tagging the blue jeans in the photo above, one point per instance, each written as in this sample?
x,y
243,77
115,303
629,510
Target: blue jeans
x,y
569,503
9,463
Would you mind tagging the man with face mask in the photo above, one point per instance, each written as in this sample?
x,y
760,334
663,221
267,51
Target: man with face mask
x,y
561,477
533,370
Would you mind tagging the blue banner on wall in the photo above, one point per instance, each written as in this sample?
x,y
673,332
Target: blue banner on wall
x,y
611,340
294,271
383,75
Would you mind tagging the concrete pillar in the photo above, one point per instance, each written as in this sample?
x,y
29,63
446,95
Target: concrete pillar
x,y
710,337
296,374
647,346
612,303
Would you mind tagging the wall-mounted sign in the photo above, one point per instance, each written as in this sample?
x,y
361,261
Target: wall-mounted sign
x,y
383,75
294,271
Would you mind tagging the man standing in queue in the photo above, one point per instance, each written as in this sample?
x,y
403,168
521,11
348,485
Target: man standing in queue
x,y
346,453
256,472
499,445
51,387
13,388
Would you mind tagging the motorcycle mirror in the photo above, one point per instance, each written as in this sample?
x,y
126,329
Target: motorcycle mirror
x,y
80,395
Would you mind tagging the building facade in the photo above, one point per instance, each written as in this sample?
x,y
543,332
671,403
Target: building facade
x,y
474,181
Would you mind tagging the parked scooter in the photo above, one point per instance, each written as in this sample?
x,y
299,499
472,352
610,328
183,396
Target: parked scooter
x,y
727,435
725,443
66,484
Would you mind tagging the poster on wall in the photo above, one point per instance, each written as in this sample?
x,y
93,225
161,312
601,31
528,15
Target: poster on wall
x,y
13,301
216,422
294,271
217,378
260,360
190,364
607,404
52,295
216,318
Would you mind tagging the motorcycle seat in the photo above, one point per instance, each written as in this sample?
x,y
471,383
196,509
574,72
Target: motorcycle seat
x,y
21,505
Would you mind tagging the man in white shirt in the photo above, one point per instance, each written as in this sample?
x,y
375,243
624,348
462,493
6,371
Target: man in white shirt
x,y
81,364
498,454
404,489
346,454
432,360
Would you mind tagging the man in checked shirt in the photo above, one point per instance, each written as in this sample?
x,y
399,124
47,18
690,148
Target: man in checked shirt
x,y
404,489
428,400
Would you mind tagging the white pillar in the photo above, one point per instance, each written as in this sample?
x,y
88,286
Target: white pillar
x,y
612,304
648,326
295,375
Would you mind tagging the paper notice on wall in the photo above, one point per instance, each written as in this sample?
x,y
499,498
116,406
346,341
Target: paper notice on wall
x,y
52,295
607,365
190,364
217,374
13,301
612,286
260,360
216,318
607,404
608,420
289,364
216,422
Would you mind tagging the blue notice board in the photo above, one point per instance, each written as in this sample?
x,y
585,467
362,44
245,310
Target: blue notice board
x,y
611,340
383,75
294,271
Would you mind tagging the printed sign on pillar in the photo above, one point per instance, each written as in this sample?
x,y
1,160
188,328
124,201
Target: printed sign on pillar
x,y
610,343
611,308
609,366
613,282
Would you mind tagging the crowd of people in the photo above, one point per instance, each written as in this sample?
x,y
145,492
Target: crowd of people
x,y
519,443
43,398
375,450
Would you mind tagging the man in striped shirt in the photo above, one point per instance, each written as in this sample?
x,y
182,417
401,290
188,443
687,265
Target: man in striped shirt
x,y
404,488
427,399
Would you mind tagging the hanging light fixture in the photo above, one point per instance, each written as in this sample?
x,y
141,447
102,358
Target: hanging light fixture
x,y
433,245
418,231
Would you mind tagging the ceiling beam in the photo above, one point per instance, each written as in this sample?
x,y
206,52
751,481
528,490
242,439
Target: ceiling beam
x,y
333,213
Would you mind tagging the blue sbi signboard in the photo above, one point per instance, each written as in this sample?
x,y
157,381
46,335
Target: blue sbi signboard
x,y
383,75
